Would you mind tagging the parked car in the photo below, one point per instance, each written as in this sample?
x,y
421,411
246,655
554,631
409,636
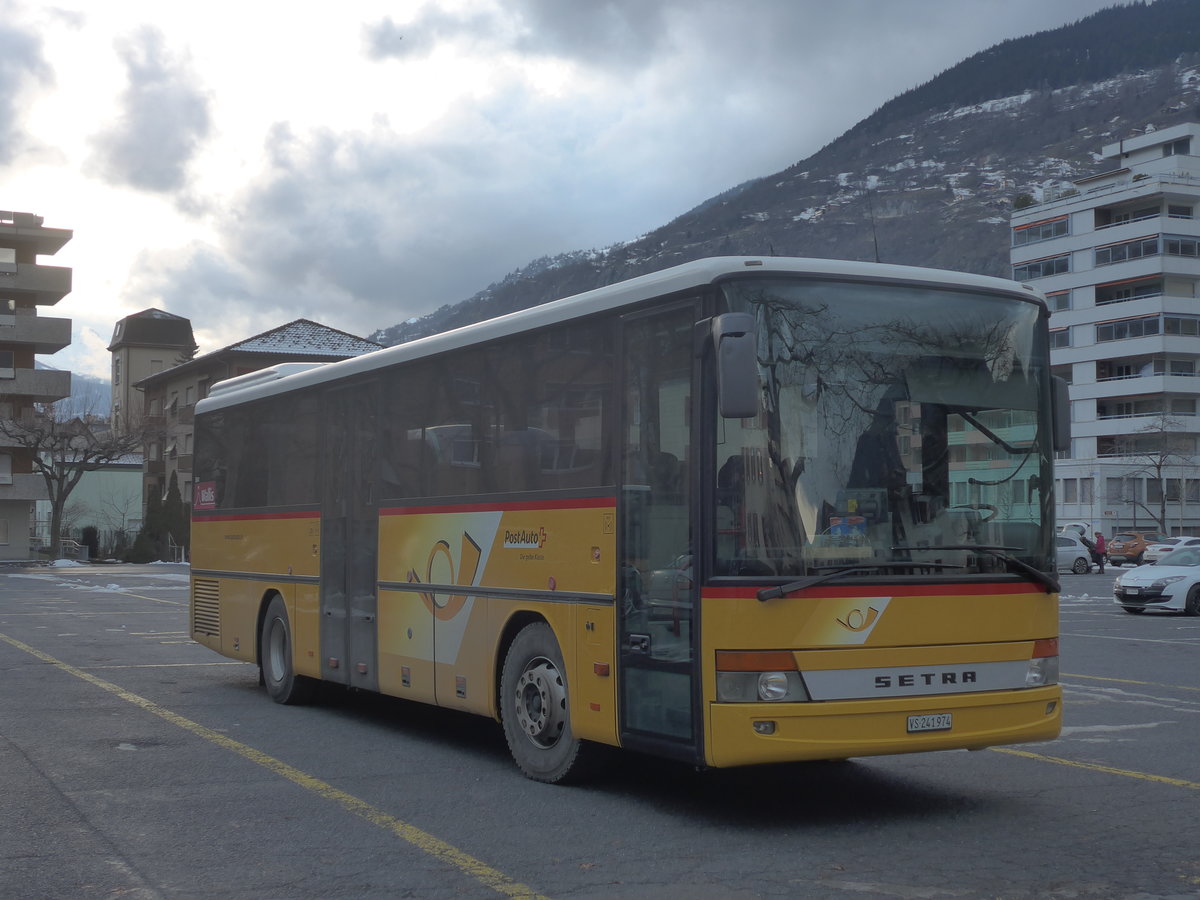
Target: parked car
x,y
1155,552
1129,546
1171,583
1073,554
1080,528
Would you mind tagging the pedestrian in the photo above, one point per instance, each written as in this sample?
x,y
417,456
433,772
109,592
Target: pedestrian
x,y
1101,549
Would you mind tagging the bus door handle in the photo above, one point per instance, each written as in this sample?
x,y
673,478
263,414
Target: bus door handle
x,y
639,643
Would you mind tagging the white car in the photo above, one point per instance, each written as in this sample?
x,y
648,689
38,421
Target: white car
x,y
1154,552
1171,583
1073,554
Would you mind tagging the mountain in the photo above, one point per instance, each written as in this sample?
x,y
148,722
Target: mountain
x,y
928,179
89,395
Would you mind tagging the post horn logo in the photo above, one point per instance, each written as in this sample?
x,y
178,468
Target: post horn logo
x,y
857,620
468,566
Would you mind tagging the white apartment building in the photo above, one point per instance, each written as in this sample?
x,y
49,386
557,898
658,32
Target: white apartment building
x,y
1118,257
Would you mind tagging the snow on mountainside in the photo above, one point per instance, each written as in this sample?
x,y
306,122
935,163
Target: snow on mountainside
x,y
928,179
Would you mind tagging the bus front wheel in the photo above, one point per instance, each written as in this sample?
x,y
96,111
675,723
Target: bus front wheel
x,y
275,658
534,707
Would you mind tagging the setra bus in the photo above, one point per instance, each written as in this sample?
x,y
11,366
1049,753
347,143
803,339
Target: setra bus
x,y
743,510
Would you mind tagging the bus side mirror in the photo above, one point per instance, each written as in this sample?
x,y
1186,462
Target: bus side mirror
x,y
1060,411
737,365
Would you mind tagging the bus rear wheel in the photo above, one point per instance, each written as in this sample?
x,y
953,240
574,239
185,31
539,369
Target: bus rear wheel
x,y
275,658
534,708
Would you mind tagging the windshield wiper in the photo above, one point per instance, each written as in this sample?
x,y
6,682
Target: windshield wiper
x,y
1049,582
800,584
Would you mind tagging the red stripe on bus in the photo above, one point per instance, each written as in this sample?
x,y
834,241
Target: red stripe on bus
x,y
895,590
253,517
515,505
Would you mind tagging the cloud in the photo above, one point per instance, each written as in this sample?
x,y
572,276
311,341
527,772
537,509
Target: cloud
x,y
569,129
21,64
163,119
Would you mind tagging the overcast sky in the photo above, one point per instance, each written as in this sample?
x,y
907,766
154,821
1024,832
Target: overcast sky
x,y
358,163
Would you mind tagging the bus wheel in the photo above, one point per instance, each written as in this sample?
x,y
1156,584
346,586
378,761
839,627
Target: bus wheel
x,y
534,709
275,658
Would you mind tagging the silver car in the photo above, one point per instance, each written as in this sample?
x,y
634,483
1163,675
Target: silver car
x,y
1073,554
1171,583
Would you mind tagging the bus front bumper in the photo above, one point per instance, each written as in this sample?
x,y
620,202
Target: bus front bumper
x,y
754,733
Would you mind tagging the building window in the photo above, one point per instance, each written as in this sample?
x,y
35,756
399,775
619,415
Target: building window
x,y
1059,301
155,366
116,371
1121,291
1040,231
1176,245
1184,367
1086,490
1181,147
1115,253
8,364
1070,490
1189,325
1179,211
1041,268
3,531
6,476
1127,328
1060,337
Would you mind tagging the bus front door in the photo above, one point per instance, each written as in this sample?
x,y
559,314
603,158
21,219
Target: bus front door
x,y
349,536
657,595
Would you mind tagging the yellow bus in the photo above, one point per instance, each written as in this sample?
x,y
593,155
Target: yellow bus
x,y
743,510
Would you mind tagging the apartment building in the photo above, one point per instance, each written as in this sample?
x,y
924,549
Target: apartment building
x,y
169,397
1118,256
25,286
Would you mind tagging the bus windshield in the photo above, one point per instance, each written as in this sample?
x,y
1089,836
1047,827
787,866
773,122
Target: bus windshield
x,y
903,430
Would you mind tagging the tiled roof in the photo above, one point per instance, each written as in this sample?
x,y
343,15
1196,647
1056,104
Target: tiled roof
x,y
305,337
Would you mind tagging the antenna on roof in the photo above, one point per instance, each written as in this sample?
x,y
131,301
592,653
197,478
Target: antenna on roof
x,y
871,213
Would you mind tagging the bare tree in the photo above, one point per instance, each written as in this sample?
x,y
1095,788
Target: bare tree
x,y
65,441
1156,449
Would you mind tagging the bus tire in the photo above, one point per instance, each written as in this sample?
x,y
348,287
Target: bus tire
x,y
534,708
275,658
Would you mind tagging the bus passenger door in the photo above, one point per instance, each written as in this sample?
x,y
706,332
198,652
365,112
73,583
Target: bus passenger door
x,y
350,536
656,589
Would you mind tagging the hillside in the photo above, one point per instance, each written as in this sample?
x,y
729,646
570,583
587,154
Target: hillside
x,y
929,178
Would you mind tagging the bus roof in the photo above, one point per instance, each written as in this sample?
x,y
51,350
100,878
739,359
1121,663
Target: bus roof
x,y
291,376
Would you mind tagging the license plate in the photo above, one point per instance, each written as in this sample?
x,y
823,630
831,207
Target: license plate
x,y
1132,591
930,722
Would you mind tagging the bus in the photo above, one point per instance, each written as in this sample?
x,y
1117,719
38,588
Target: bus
x,y
738,511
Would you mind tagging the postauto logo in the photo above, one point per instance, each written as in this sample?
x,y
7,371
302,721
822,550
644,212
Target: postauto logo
x,y
525,538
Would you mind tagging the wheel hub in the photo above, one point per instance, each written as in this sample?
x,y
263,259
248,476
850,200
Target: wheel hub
x,y
541,702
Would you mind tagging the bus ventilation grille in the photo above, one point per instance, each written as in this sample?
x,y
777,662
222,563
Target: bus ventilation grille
x,y
206,608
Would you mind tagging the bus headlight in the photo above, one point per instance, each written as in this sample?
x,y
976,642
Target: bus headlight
x,y
756,687
1043,667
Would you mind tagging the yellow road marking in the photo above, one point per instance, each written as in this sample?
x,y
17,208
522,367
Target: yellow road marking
x,y
1094,767
422,840
144,597
1174,687
169,665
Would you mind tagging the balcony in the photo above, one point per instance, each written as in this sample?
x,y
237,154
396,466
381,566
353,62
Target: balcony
x,y
25,487
37,385
47,335
32,283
